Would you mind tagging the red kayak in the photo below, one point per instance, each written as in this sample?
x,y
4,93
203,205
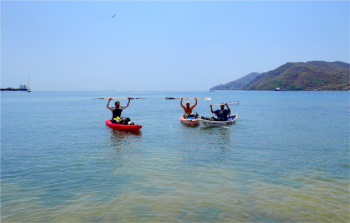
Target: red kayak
x,y
131,128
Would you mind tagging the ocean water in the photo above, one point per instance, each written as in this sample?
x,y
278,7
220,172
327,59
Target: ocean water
x,y
286,159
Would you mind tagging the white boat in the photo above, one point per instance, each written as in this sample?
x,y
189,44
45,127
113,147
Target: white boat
x,y
209,123
28,84
280,89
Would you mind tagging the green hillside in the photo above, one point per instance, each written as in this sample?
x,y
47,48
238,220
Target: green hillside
x,y
303,76
237,84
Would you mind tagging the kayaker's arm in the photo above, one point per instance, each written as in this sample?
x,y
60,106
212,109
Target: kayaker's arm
x,y
110,108
211,108
194,104
181,104
124,107
228,109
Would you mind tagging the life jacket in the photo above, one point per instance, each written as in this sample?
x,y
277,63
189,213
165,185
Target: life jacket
x,y
117,112
222,114
116,120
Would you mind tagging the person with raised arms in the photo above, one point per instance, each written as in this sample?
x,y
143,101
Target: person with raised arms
x,y
188,109
221,113
117,110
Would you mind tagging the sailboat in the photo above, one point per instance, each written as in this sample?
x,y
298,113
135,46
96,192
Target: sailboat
x,y
28,84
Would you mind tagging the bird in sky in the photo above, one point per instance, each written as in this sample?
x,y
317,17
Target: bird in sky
x,y
113,16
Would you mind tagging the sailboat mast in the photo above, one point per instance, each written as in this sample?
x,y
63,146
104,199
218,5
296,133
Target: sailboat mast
x,y
28,90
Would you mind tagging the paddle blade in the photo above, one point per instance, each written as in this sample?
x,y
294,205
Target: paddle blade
x,y
229,103
208,99
233,103
170,98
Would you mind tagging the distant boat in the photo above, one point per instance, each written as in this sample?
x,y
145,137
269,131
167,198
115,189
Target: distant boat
x,y
212,90
279,89
21,88
28,84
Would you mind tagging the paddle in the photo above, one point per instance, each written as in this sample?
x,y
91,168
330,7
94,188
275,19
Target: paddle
x,y
119,98
230,103
169,98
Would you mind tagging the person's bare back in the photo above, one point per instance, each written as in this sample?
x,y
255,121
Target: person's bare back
x,y
188,109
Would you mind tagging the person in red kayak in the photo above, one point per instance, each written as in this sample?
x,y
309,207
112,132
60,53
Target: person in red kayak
x,y
188,109
221,113
117,110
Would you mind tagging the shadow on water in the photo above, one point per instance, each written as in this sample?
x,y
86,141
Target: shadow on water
x,y
206,145
217,135
218,141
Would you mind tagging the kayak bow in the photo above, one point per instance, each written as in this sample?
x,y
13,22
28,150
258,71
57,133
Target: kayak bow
x,y
189,121
131,128
209,123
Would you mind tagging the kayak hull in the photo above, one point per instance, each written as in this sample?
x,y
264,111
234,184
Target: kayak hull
x,y
192,122
208,123
130,128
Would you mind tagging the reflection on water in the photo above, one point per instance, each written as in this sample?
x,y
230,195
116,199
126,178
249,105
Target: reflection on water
x,y
203,146
116,134
123,150
123,138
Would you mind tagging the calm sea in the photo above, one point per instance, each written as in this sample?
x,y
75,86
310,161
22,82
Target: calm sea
x,y
286,159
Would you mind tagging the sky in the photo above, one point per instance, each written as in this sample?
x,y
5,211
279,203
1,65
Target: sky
x,y
163,45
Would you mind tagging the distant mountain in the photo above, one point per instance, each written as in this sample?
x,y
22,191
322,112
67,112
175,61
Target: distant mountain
x,y
304,76
237,84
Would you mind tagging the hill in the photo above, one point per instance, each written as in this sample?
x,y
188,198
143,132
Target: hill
x,y
303,76
237,84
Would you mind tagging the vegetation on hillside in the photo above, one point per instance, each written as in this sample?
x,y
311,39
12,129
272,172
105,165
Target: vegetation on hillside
x,y
303,76
311,75
237,84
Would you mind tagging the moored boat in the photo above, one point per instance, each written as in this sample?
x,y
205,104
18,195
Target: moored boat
x,y
189,120
131,128
21,88
210,123
280,89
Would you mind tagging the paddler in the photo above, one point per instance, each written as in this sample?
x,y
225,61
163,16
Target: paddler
x,y
221,113
117,110
188,109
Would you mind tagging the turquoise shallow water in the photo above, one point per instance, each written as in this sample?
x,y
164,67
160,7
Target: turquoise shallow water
x,y
285,159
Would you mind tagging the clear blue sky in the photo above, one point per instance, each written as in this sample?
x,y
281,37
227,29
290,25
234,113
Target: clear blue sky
x,y
160,46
